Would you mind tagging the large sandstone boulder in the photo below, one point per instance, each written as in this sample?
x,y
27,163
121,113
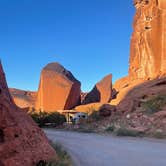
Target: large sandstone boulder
x,y
148,51
23,99
58,89
102,92
21,141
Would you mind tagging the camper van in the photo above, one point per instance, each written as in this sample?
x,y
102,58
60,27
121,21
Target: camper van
x,y
79,116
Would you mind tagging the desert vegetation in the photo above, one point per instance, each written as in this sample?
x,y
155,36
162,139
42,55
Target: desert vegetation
x,y
62,158
155,104
52,119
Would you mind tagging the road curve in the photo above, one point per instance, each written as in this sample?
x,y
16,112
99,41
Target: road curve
x,y
100,150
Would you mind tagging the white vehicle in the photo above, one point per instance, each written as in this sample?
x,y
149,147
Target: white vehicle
x,y
78,116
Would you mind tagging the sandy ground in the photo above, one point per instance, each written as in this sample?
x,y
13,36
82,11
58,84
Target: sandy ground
x,y
102,150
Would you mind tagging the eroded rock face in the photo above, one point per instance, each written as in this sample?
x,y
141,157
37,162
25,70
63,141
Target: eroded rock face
x,y
148,51
23,99
58,89
102,92
21,141
139,94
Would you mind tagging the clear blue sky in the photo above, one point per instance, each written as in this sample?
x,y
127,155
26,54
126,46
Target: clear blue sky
x,y
91,38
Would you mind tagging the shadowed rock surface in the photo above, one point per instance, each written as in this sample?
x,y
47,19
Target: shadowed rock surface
x,y
58,89
102,92
22,143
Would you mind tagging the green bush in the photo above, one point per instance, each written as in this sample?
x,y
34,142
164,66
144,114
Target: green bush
x,y
159,135
111,128
155,104
44,118
63,157
62,160
127,132
94,116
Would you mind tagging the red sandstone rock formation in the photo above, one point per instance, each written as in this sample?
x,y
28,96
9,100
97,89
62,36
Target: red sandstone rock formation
x,y
148,51
58,89
140,93
23,99
148,42
22,143
102,92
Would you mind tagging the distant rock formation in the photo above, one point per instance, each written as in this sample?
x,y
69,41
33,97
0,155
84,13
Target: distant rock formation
x,y
83,95
102,92
23,99
58,89
148,42
21,141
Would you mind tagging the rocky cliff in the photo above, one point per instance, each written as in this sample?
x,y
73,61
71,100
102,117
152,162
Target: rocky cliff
x,y
21,141
148,51
22,98
58,89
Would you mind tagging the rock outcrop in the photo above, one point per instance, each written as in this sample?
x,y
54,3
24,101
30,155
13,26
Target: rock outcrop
x,y
106,110
23,99
102,92
58,89
148,51
21,141
138,94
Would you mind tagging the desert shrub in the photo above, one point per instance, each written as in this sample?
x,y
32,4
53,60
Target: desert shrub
x,y
159,135
127,132
155,104
55,118
62,159
95,116
44,118
111,128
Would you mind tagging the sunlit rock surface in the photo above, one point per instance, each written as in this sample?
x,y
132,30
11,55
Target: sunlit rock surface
x,y
58,89
148,42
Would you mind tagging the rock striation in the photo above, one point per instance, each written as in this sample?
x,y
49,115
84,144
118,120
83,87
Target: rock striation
x,y
102,91
21,141
58,89
148,51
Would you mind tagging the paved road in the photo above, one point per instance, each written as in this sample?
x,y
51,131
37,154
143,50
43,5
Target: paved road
x,y
100,150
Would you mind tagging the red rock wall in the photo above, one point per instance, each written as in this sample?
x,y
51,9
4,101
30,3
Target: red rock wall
x,y
148,51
